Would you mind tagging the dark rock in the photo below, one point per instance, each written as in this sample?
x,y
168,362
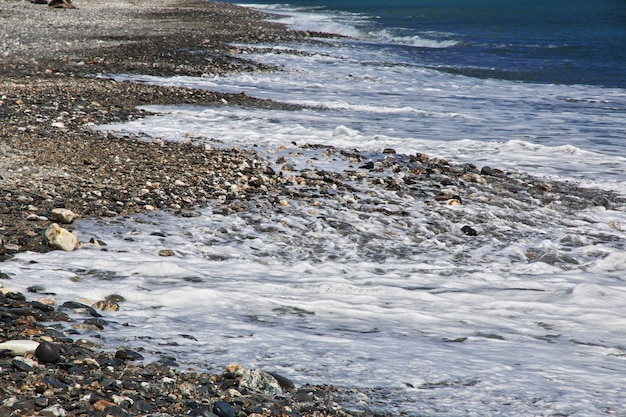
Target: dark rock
x,y
42,402
114,298
15,296
26,405
128,355
73,305
284,382
48,352
140,407
115,411
223,409
56,385
486,171
99,323
42,306
21,365
38,289
468,230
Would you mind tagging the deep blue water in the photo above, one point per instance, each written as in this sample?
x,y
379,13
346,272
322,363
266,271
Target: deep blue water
x,y
561,42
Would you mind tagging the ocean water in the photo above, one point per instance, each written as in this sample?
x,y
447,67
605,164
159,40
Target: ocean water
x,y
527,318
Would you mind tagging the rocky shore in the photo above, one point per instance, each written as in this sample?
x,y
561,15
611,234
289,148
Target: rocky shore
x,y
54,87
46,370
52,91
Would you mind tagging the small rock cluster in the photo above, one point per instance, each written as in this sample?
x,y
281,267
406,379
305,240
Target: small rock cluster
x,y
46,369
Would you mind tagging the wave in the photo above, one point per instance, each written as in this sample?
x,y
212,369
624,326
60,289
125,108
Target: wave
x,y
351,25
417,41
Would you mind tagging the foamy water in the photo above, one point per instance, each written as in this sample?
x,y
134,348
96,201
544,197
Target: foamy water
x,y
527,318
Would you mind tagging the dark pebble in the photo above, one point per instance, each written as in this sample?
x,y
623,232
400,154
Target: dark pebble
x,y
21,366
15,296
128,355
79,306
469,231
223,409
140,407
42,306
48,352
99,323
114,298
284,382
38,289
114,411
486,171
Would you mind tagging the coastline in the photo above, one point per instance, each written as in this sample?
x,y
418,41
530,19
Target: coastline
x,y
50,95
50,157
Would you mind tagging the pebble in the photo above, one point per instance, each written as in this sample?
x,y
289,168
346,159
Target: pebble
x,y
19,347
261,382
63,215
48,352
223,409
129,355
468,230
60,238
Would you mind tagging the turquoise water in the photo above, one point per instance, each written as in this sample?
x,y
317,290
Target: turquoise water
x,y
561,42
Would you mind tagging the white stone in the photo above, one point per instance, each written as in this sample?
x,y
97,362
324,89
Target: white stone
x,y
19,347
63,215
53,411
261,382
60,238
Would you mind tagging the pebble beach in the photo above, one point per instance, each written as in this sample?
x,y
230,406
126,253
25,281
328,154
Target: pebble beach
x,y
56,87
51,92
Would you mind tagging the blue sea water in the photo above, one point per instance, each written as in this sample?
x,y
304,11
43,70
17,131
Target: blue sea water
x,y
564,42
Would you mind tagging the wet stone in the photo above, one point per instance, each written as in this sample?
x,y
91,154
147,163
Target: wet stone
x,y
73,305
98,322
20,365
223,409
468,230
129,355
48,352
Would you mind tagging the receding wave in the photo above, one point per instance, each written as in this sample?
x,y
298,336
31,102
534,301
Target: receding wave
x,y
413,40
347,24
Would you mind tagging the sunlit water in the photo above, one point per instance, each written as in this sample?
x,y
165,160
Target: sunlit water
x,y
527,318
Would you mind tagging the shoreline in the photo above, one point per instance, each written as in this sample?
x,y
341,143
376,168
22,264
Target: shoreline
x,y
50,96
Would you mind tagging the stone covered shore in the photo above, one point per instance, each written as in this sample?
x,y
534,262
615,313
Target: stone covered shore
x,y
53,88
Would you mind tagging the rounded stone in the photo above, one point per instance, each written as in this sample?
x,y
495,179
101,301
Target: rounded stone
x,y
223,409
470,231
129,355
48,352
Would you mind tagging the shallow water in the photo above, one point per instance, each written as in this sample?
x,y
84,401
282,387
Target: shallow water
x,y
377,288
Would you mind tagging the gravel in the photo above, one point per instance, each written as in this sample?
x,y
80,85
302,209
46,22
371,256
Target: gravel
x,y
53,87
